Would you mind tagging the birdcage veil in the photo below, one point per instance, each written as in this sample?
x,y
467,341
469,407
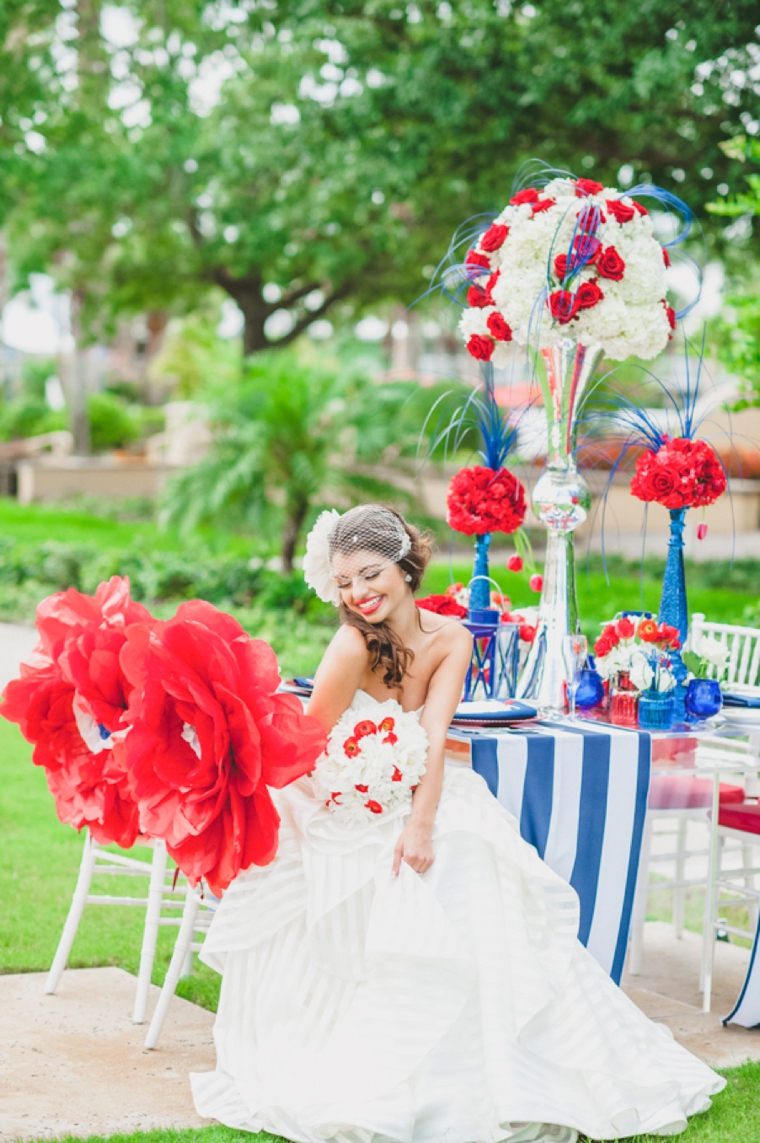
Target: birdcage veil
x,y
366,528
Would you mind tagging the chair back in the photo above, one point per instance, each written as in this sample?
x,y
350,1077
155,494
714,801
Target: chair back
x,y
743,646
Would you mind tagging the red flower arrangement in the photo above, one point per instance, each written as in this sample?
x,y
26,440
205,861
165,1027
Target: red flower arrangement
x,y
442,605
70,701
647,630
208,734
481,500
681,474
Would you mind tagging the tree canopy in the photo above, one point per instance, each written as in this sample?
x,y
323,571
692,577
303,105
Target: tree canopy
x,y
304,155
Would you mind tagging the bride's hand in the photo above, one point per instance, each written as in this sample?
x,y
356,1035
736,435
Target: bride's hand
x,y
415,848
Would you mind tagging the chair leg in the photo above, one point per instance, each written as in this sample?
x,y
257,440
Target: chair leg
x,y
181,949
78,902
150,932
640,901
679,893
709,923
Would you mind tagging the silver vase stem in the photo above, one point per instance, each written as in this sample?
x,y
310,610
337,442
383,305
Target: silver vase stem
x,y
561,501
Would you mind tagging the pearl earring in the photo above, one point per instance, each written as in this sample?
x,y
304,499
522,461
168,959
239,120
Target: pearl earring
x,y
408,578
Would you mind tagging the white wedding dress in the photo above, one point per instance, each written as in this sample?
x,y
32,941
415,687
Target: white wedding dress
x,y
454,1007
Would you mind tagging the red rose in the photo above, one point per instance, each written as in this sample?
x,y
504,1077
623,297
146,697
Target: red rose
x,y
475,259
641,209
536,583
494,237
563,306
587,295
543,204
585,187
481,500
478,298
498,327
515,564
665,256
560,266
209,733
602,647
527,633
442,605
375,807
530,194
589,218
481,348
625,628
365,727
619,211
609,264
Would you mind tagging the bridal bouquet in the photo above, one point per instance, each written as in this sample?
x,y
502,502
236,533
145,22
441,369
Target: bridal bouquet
x,y
573,259
370,767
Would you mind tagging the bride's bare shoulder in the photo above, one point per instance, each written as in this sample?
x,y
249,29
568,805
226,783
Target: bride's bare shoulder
x,y
348,644
446,629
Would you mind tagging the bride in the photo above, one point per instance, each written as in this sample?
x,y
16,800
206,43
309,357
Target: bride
x,y
416,977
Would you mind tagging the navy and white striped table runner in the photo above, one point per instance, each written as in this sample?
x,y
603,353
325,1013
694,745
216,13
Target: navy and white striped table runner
x,y
580,796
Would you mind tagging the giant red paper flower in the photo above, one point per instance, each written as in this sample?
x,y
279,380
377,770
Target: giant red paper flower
x,y
681,474
69,703
208,734
481,500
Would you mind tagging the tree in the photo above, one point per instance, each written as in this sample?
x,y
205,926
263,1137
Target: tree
x,y
350,137
290,434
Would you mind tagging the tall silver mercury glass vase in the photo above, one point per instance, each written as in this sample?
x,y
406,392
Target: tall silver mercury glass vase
x,y
561,501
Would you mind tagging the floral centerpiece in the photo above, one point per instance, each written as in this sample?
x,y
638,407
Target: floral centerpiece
x,y
570,259
371,765
636,657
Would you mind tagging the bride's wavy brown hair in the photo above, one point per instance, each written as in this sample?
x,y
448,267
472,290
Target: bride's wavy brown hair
x,y
385,648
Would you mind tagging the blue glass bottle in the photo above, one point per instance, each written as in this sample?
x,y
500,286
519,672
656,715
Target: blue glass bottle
x,y
673,606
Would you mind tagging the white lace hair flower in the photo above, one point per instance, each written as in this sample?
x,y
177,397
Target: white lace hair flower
x,y
316,562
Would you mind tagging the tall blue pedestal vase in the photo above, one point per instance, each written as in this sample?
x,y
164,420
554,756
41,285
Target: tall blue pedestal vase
x,y
480,587
673,609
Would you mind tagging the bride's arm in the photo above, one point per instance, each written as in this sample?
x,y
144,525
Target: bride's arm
x,y
338,676
443,696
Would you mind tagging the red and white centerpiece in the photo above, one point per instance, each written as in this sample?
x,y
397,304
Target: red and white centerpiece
x,y
374,760
573,259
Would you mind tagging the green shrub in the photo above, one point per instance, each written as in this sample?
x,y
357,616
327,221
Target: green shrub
x,y
112,423
28,417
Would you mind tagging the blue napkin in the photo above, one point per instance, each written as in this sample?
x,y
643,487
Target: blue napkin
x,y
740,700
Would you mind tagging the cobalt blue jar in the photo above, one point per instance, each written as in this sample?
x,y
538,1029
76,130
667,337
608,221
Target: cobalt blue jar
x,y
703,698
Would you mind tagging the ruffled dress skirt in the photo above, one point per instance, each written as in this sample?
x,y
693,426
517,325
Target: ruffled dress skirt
x,y
453,1007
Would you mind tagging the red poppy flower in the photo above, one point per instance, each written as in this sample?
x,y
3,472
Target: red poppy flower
x,y
375,807
391,739
529,194
587,295
619,211
361,789
481,348
363,728
494,237
585,187
208,735
647,631
387,724
397,775
498,327
69,703
609,264
563,306
482,500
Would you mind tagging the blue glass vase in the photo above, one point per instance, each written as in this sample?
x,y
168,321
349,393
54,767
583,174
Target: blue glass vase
x,y
673,607
703,698
657,710
590,690
480,585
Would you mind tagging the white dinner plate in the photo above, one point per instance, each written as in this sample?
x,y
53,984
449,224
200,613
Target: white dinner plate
x,y
744,715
